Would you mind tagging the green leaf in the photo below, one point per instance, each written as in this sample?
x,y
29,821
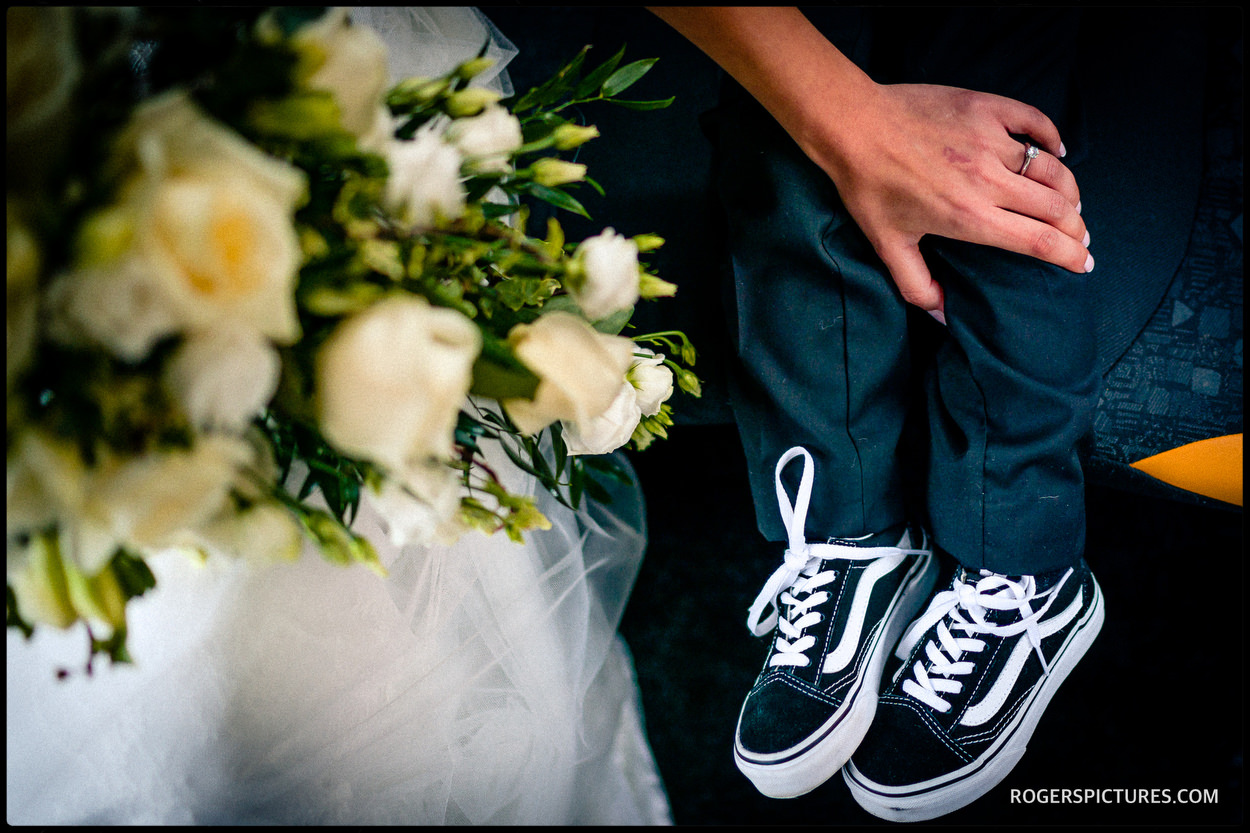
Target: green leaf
x,y
558,198
520,461
643,105
614,323
594,80
498,374
133,574
626,76
553,88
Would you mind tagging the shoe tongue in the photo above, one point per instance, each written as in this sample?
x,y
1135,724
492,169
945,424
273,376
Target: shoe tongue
x,y
995,615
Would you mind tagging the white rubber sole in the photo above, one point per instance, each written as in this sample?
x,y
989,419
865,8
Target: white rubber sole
x,y
800,770
931,799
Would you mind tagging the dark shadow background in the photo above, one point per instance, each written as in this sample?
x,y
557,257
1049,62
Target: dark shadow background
x,y
1157,703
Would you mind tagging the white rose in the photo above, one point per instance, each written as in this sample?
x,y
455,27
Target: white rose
x,y
224,378
651,379
580,370
608,431
391,381
213,221
605,277
350,62
424,182
487,140
418,505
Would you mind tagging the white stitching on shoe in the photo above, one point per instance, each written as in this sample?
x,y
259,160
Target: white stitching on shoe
x,y
801,572
945,652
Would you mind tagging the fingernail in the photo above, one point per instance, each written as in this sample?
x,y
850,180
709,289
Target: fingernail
x,y
940,316
1078,206
1063,151
1085,242
1089,263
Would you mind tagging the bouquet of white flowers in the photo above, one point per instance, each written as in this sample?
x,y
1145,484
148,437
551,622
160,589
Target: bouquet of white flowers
x,y
248,287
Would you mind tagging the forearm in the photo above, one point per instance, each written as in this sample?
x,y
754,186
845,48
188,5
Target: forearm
x,y
907,159
811,89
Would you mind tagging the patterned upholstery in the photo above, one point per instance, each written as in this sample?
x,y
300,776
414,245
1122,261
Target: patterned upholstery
x,y
1181,380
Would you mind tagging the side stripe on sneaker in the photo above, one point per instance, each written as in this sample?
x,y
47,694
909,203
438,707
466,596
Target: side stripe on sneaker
x,y
848,645
994,700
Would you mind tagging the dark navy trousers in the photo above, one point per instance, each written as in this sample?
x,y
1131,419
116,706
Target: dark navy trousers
x,y
972,429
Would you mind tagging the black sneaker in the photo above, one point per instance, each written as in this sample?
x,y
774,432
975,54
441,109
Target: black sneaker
x,y
982,663
843,604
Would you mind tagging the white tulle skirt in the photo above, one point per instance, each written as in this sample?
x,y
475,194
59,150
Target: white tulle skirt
x,y
481,683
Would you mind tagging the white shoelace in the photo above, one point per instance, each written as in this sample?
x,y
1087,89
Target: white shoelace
x,y
965,606
797,581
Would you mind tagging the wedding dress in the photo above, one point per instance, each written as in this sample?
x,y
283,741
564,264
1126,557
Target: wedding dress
x,y
479,683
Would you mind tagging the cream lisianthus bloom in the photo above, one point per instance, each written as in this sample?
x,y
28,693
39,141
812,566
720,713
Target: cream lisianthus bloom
x,y
391,381
146,502
224,378
122,307
487,140
418,505
647,385
608,431
579,369
350,62
651,379
604,277
424,183
263,533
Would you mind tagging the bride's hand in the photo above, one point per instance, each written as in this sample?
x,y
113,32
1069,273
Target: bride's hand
x,y
920,159
908,160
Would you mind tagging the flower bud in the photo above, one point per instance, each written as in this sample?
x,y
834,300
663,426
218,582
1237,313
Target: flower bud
x,y
648,242
569,136
300,116
688,382
553,172
413,91
104,236
649,286
474,67
470,102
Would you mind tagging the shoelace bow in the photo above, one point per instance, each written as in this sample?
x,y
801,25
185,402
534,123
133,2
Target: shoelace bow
x,y
966,605
796,582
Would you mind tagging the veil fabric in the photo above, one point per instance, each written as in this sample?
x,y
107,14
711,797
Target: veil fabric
x,y
479,683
